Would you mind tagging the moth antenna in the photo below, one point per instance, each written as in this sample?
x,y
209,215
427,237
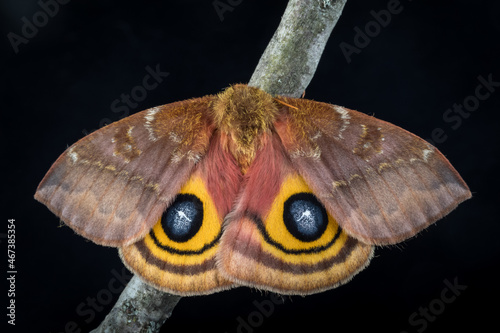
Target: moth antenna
x,y
286,104
303,94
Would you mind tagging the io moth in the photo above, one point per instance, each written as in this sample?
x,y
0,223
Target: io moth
x,y
246,189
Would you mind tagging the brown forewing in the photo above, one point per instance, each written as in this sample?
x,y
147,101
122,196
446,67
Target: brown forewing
x,y
114,184
380,182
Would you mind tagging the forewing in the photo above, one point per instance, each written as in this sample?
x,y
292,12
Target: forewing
x,y
114,184
380,182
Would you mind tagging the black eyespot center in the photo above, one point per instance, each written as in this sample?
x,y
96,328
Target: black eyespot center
x,y
183,218
305,217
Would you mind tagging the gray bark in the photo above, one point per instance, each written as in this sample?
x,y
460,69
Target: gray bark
x,y
286,68
292,56
140,308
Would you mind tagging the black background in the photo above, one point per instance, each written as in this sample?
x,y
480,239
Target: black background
x,y
63,81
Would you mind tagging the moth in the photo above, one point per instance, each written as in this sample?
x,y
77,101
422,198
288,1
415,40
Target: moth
x,y
246,189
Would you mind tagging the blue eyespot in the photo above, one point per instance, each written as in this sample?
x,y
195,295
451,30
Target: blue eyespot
x,y
183,218
305,217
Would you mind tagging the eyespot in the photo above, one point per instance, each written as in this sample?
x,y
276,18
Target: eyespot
x,y
190,226
298,223
183,218
305,217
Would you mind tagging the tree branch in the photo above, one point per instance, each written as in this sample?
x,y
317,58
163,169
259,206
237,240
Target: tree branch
x,y
292,56
286,68
140,308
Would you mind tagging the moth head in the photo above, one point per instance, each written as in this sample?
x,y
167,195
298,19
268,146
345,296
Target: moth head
x,y
244,113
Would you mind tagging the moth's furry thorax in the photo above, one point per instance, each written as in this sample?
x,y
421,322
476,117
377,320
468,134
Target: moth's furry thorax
x,y
244,114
